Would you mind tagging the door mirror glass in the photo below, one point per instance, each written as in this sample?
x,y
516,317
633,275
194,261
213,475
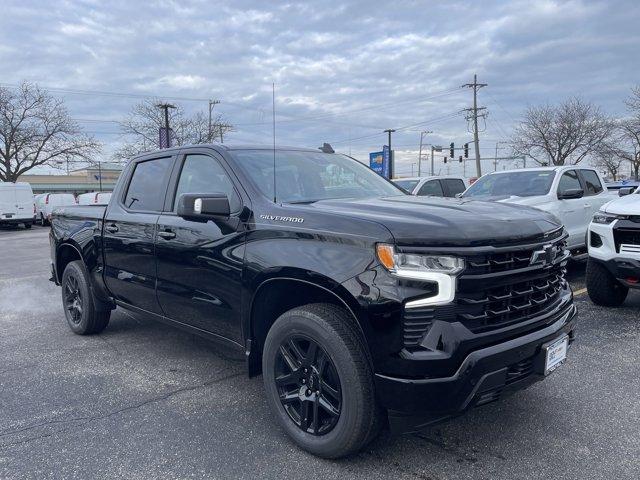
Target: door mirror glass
x,y
625,191
203,206
570,193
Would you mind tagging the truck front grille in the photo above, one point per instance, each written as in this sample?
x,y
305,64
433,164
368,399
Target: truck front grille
x,y
495,291
626,236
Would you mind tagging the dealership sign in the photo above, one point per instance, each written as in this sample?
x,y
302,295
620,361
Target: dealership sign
x,y
380,162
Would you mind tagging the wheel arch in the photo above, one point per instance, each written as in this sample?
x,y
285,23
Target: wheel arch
x,y
279,293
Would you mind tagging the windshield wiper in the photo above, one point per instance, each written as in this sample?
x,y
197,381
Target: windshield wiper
x,y
303,202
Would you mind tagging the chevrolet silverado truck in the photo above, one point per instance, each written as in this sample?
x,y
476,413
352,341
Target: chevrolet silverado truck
x,y
613,266
362,307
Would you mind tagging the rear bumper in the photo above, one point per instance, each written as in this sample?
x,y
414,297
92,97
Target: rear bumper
x,y
484,376
17,221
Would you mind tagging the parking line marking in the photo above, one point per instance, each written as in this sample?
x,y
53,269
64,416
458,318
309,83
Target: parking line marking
x,y
582,291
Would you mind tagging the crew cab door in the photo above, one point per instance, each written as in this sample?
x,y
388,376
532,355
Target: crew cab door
x,y
571,211
129,232
200,261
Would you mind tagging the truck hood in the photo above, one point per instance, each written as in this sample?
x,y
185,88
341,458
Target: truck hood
x,y
627,205
433,221
514,199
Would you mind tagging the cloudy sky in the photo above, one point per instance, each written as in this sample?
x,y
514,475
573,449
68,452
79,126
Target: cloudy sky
x,y
344,71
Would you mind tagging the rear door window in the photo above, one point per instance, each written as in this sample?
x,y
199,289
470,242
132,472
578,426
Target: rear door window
x,y
431,188
592,182
453,186
145,192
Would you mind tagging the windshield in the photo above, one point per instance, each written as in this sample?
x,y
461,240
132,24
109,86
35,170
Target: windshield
x,y
309,176
520,184
407,185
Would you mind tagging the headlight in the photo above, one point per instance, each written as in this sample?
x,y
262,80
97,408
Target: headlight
x,y
607,218
409,262
439,269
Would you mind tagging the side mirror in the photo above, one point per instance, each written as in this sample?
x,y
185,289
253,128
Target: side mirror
x,y
203,206
571,193
625,191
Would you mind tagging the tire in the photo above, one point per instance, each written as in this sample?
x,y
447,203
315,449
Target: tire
x,y
76,291
602,286
28,225
346,365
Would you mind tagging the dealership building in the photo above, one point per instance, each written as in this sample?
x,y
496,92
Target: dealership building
x,y
90,179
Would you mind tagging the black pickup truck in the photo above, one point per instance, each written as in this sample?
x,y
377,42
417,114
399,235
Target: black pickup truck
x,y
361,306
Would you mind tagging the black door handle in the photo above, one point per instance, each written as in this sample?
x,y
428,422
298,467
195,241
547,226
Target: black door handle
x,y
113,228
167,234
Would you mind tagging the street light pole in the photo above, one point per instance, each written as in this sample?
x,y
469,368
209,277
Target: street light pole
x,y
422,134
166,107
391,162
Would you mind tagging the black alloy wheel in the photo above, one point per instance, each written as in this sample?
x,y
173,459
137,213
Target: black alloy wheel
x,y
73,301
308,385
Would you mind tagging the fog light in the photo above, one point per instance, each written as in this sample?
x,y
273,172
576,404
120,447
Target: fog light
x,y
595,240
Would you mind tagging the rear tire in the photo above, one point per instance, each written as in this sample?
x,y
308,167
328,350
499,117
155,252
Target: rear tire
x,y
27,225
79,305
602,287
344,379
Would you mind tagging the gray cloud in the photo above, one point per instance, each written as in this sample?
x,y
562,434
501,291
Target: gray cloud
x,y
333,62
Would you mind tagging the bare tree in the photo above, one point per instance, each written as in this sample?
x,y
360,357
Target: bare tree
x,y
628,133
561,135
143,124
607,158
36,130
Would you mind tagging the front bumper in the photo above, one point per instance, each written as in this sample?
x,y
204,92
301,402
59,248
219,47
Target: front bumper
x,y
623,269
484,376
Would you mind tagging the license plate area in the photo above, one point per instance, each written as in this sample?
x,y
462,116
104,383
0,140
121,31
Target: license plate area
x,y
555,353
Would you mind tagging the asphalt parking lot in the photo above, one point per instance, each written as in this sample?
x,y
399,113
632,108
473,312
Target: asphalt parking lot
x,y
143,400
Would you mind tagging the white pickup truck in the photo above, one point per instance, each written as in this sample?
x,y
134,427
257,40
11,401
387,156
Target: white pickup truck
x,y
614,250
572,193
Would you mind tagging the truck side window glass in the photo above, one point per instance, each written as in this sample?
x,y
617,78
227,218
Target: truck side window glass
x,y
592,182
143,193
432,187
204,174
454,185
569,181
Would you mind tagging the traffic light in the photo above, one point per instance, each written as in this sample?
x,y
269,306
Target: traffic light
x,y
451,148
460,159
445,159
466,150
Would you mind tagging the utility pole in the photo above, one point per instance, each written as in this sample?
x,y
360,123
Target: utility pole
x,y
391,169
212,103
474,116
100,174
422,134
166,107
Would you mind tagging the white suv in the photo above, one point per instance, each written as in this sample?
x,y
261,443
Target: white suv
x,y
571,193
614,250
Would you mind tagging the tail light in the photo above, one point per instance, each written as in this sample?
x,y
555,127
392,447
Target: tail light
x,y
46,200
34,208
95,200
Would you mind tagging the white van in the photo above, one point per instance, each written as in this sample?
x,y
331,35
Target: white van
x,y
94,198
47,202
16,204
